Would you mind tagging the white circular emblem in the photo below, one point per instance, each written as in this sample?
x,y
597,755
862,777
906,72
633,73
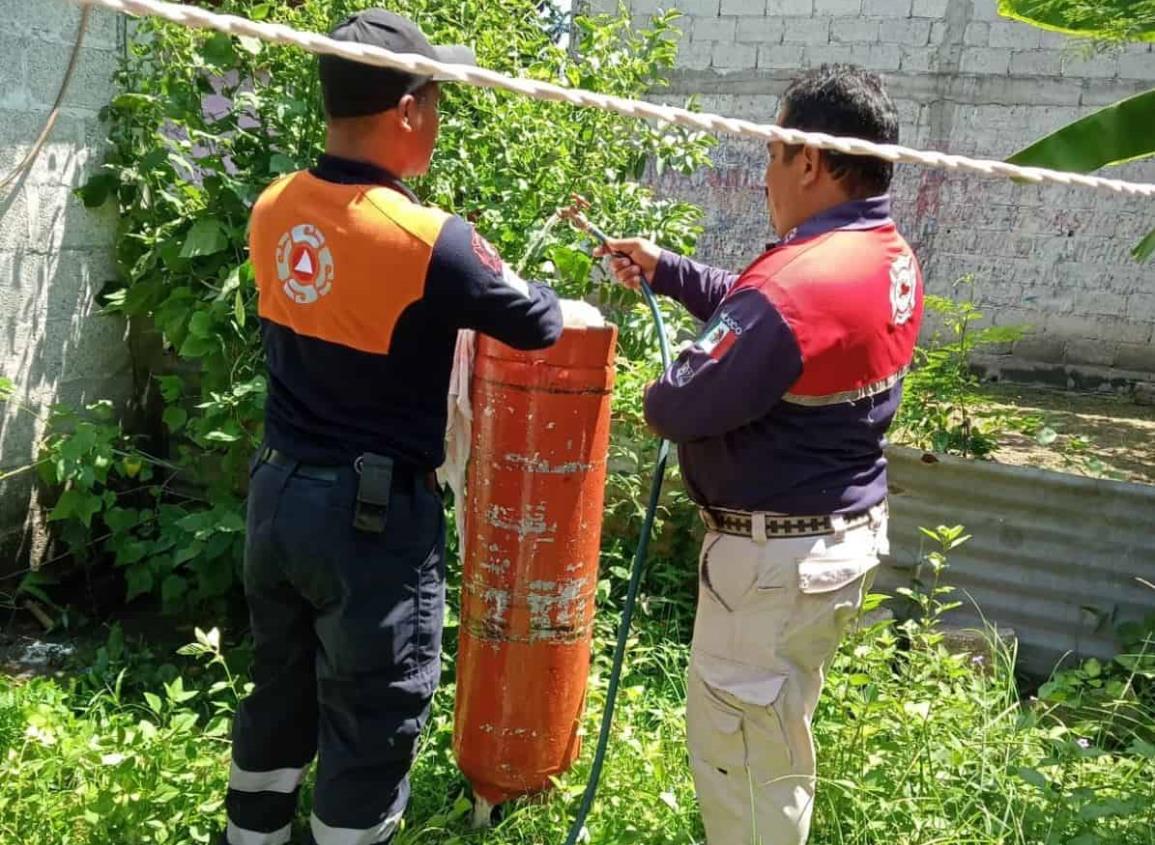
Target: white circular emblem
x,y
903,287
304,264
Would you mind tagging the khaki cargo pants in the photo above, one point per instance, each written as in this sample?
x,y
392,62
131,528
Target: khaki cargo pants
x,y
770,615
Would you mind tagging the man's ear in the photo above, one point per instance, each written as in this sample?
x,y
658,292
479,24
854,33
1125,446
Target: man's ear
x,y
812,165
407,113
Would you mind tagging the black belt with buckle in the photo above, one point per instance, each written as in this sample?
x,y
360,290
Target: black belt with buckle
x,y
318,472
374,486
741,523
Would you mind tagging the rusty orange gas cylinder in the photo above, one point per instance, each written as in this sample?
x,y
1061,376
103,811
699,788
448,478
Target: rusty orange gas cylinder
x,y
536,489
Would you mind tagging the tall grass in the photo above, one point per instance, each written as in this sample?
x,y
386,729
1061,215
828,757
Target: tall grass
x,y
916,745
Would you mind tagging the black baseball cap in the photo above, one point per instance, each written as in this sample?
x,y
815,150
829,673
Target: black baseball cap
x,y
353,89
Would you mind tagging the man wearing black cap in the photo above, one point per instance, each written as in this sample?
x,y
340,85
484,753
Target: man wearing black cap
x,y
362,293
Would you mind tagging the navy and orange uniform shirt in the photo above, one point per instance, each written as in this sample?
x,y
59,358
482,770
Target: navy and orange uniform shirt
x,y
783,403
362,291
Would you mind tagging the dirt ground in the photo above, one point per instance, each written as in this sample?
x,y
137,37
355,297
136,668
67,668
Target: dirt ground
x,y
1097,435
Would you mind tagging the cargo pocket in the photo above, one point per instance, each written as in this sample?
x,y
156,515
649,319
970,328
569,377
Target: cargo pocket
x,y
714,730
828,574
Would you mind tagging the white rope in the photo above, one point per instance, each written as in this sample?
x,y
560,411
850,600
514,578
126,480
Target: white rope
x,y
194,17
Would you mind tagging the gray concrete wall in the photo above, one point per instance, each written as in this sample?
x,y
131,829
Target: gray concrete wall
x,y
968,82
55,255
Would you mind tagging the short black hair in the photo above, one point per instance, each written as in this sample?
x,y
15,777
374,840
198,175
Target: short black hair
x,y
849,101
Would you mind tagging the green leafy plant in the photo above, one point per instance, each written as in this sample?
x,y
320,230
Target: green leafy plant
x,y
939,411
1109,20
1116,134
205,122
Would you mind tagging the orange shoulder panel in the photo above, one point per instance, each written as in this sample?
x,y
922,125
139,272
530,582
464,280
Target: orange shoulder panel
x,y
340,263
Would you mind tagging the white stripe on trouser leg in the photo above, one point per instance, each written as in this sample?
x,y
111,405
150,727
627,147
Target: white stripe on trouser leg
x,y
240,836
284,781
379,832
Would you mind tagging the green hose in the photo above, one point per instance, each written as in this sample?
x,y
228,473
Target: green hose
x,y
631,596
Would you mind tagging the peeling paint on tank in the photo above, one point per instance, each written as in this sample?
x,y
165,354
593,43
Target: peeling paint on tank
x,y
531,522
536,464
556,608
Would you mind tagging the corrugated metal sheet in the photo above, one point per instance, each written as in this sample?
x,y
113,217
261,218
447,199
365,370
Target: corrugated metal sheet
x,y
1046,547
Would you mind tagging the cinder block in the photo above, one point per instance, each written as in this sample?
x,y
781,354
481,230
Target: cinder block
x,y
1077,326
699,8
59,220
12,71
888,9
829,54
984,60
15,229
1093,67
1138,65
1136,356
696,55
882,57
714,29
1014,35
977,35
1141,305
783,8
1100,353
929,8
1049,350
91,87
743,7
854,31
735,56
806,31
1036,63
780,56
1102,302
761,30
838,7
90,348
918,59
912,32
985,10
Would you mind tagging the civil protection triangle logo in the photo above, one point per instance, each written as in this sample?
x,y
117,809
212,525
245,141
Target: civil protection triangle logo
x,y
304,264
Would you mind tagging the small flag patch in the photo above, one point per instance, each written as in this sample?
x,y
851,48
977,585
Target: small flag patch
x,y
721,334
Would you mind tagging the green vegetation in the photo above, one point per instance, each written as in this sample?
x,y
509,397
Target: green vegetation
x,y
917,745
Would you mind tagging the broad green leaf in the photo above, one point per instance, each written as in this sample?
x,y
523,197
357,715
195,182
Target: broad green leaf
x,y
138,580
239,309
250,45
206,237
76,503
1116,134
1118,20
218,50
281,163
132,101
175,418
1146,247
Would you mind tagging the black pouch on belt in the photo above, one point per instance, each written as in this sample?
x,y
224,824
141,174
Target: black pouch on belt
x,y
373,493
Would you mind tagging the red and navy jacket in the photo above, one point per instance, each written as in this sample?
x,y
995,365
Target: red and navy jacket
x,y
362,291
782,404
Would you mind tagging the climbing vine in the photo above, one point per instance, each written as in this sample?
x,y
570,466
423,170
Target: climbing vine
x,y
204,122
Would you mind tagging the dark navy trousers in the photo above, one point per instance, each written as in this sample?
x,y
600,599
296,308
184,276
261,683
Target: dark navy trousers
x,y
347,636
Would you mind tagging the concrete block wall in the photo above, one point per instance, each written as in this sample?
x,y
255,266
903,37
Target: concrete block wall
x,y
55,255
966,81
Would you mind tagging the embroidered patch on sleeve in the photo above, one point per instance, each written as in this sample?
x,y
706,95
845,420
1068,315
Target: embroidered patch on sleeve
x,y
720,335
485,253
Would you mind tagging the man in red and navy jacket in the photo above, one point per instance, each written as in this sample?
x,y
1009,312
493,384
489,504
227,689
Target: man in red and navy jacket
x,y
780,410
